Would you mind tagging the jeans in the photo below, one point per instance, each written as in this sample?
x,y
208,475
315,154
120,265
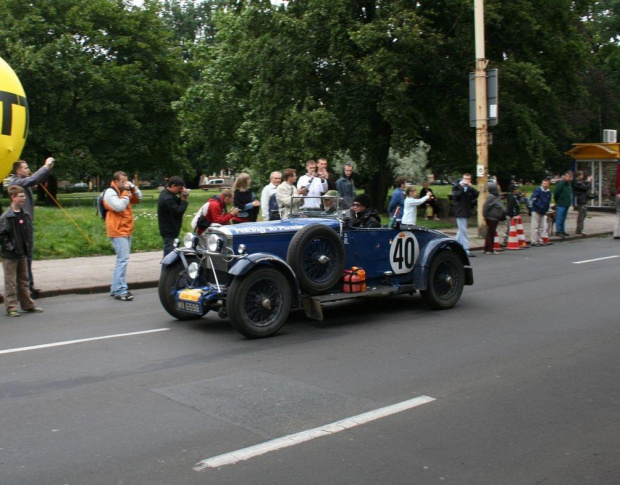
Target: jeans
x,y
168,245
461,234
560,219
122,246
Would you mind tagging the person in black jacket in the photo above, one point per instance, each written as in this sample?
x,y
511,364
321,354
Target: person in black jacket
x,y
464,195
361,213
171,206
581,188
15,238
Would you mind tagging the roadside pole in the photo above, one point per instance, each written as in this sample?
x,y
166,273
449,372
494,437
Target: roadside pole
x,y
482,136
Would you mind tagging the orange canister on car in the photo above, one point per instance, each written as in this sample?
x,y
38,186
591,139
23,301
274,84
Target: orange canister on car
x,y
354,280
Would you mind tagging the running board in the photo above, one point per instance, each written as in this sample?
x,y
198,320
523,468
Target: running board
x,y
313,304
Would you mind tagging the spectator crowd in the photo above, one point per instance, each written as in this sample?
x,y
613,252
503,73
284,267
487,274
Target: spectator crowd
x,y
315,190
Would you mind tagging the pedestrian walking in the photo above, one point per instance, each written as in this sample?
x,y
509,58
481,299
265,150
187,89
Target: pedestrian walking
x,y
22,177
171,207
463,195
563,196
118,200
15,239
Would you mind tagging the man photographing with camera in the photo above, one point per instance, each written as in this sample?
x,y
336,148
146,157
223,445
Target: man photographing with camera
x,y
171,206
314,184
463,195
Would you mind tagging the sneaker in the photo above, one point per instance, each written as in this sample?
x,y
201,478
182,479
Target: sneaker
x,y
124,297
13,313
471,255
491,252
34,310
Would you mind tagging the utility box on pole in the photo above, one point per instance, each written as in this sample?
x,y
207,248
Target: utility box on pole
x,y
492,98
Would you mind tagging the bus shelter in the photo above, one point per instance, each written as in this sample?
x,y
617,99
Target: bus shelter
x,y
602,161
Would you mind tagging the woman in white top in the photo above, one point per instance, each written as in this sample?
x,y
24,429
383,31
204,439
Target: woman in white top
x,y
410,214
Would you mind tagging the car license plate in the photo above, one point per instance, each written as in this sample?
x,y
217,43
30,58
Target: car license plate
x,y
190,307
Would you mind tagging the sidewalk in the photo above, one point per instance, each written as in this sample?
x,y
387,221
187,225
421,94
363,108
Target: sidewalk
x,y
94,274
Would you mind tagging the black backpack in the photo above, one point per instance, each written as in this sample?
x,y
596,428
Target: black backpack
x,y
101,209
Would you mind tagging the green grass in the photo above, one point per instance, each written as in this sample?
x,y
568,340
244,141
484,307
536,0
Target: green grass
x,y
57,237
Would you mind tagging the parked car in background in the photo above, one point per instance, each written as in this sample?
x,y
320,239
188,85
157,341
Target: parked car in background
x,y
216,184
78,187
254,273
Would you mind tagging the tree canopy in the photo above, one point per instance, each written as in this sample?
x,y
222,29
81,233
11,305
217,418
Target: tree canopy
x,y
100,77
187,85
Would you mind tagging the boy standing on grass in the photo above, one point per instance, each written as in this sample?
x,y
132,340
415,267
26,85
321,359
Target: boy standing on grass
x,y
15,235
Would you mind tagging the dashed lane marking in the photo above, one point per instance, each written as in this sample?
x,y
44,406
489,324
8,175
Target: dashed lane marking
x,y
310,434
597,259
71,342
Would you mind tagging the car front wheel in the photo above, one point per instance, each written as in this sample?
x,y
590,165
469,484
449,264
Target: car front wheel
x,y
446,279
259,302
173,278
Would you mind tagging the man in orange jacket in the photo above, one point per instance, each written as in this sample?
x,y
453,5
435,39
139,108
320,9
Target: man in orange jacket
x,y
118,199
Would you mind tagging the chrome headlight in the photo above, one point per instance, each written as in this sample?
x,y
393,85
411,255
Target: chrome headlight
x,y
192,270
215,243
189,241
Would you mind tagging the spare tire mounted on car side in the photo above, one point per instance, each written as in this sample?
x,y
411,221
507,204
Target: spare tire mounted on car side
x,y
316,255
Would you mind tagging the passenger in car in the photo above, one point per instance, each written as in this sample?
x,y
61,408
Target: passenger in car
x,y
329,201
361,213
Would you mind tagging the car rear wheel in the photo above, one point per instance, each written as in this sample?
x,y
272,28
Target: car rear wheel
x,y
446,279
173,277
316,255
259,302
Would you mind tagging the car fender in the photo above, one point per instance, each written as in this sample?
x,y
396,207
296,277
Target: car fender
x,y
173,256
421,269
250,261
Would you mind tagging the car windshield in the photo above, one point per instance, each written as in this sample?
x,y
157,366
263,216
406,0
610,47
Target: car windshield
x,y
326,206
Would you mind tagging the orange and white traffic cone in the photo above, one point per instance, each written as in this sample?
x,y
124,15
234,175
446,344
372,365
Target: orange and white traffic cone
x,y
520,233
513,238
496,245
545,241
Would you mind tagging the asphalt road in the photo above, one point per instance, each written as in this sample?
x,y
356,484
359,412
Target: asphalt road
x,y
523,376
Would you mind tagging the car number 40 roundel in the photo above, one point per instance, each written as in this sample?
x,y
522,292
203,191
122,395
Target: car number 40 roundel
x,y
404,252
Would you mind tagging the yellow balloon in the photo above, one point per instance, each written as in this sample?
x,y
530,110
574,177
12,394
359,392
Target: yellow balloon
x,y
13,118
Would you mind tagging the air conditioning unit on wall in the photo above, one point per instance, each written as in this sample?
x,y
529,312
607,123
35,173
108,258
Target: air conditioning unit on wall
x,y
610,136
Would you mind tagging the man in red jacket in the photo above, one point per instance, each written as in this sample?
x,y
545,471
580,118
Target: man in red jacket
x,y
217,213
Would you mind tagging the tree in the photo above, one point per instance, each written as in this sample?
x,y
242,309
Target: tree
x,y
100,77
363,77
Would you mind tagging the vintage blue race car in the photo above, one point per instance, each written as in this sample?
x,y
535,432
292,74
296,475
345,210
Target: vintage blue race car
x,y
254,273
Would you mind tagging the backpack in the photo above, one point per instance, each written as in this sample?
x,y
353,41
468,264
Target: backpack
x,y
274,208
101,208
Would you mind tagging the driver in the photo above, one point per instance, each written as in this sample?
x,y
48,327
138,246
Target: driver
x,y
361,213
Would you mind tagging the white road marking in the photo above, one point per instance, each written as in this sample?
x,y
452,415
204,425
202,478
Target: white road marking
x,y
70,342
310,434
597,259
